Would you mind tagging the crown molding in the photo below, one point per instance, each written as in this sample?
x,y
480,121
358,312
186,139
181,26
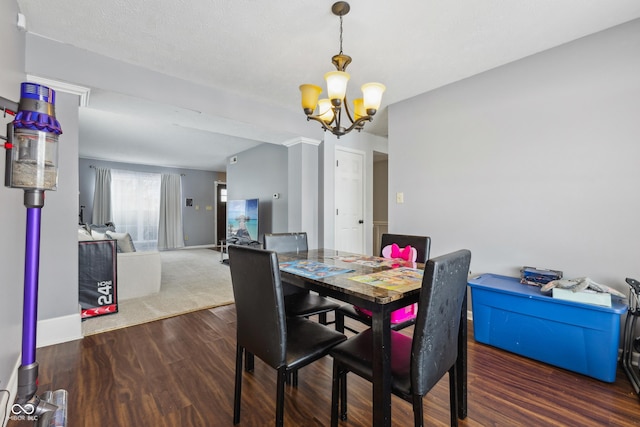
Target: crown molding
x,y
82,92
301,140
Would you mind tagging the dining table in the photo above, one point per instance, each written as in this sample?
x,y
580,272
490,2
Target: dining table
x,y
381,286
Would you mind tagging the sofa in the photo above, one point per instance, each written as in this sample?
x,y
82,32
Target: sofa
x,y
138,273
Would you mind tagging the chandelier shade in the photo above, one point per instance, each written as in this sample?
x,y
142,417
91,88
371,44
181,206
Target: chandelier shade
x,y
336,85
358,109
372,95
310,95
330,110
325,112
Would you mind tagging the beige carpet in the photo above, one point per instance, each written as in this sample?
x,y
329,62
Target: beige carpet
x,y
192,279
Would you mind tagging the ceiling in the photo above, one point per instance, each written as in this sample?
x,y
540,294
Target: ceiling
x,y
264,50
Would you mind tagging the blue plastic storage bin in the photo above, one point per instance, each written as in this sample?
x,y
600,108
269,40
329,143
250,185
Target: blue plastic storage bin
x,y
583,338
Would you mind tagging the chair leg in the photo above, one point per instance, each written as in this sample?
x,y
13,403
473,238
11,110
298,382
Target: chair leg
x,y
340,326
335,394
461,364
248,362
418,416
282,376
292,378
322,318
343,394
238,386
351,329
339,322
453,396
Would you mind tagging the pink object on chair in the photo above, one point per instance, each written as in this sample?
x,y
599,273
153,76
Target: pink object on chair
x,y
407,253
398,316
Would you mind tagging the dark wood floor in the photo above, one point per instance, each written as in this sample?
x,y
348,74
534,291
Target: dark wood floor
x,y
180,372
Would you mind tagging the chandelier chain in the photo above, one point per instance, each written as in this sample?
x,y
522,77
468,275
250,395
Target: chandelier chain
x,y
340,34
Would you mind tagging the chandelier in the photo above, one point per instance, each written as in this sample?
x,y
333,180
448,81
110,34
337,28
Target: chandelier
x,y
331,109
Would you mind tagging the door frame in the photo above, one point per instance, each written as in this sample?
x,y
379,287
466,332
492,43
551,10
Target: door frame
x,y
215,211
363,176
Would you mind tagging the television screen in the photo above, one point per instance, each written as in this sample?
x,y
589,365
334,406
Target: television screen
x,y
242,219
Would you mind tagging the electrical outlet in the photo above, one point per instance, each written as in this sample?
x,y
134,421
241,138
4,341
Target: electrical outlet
x,y
186,237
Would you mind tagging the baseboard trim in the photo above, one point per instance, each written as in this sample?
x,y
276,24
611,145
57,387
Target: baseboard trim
x,y
50,331
59,329
12,386
198,247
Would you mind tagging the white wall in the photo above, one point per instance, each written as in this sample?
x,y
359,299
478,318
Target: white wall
x,y
533,163
12,212
198,225
58,239
58,316
303,176
365,142
260,172
64,62
381,190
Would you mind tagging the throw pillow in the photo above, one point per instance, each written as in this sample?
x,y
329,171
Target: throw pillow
x,y
102,228
83,234
98,235
123,241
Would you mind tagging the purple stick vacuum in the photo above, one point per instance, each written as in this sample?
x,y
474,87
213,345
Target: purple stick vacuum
x,y
31,165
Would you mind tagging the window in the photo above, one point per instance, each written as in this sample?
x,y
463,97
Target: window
x,y
135,204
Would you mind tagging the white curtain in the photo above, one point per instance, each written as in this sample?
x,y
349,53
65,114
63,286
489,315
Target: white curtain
x,y
135,197
170,234
102,197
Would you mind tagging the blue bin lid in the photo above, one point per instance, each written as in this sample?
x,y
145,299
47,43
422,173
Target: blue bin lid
x,y
512,286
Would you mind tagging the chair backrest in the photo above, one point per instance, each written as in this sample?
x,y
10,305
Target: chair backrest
x,y
422,244
286,242
435,337
257,291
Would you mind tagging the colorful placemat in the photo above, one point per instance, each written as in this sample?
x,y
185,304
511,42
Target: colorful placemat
x,y
374,261
312,269
396,279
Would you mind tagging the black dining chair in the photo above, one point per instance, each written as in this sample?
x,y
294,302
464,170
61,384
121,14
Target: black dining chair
x,y
422,244
298,301
284,343
418,362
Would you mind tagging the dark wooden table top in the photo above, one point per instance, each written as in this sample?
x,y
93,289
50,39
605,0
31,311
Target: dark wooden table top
x,y
342,286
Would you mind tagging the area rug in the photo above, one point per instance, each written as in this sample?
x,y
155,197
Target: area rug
x,y
192,279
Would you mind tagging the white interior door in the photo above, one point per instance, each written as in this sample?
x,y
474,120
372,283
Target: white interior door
x,y
349,200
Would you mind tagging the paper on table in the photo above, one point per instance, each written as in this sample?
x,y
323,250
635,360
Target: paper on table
x,y
312,269
394,279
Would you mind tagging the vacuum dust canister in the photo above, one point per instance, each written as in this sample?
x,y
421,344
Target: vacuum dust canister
x,y
32,154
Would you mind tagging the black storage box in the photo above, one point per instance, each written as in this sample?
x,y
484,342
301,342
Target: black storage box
x,y
97,278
